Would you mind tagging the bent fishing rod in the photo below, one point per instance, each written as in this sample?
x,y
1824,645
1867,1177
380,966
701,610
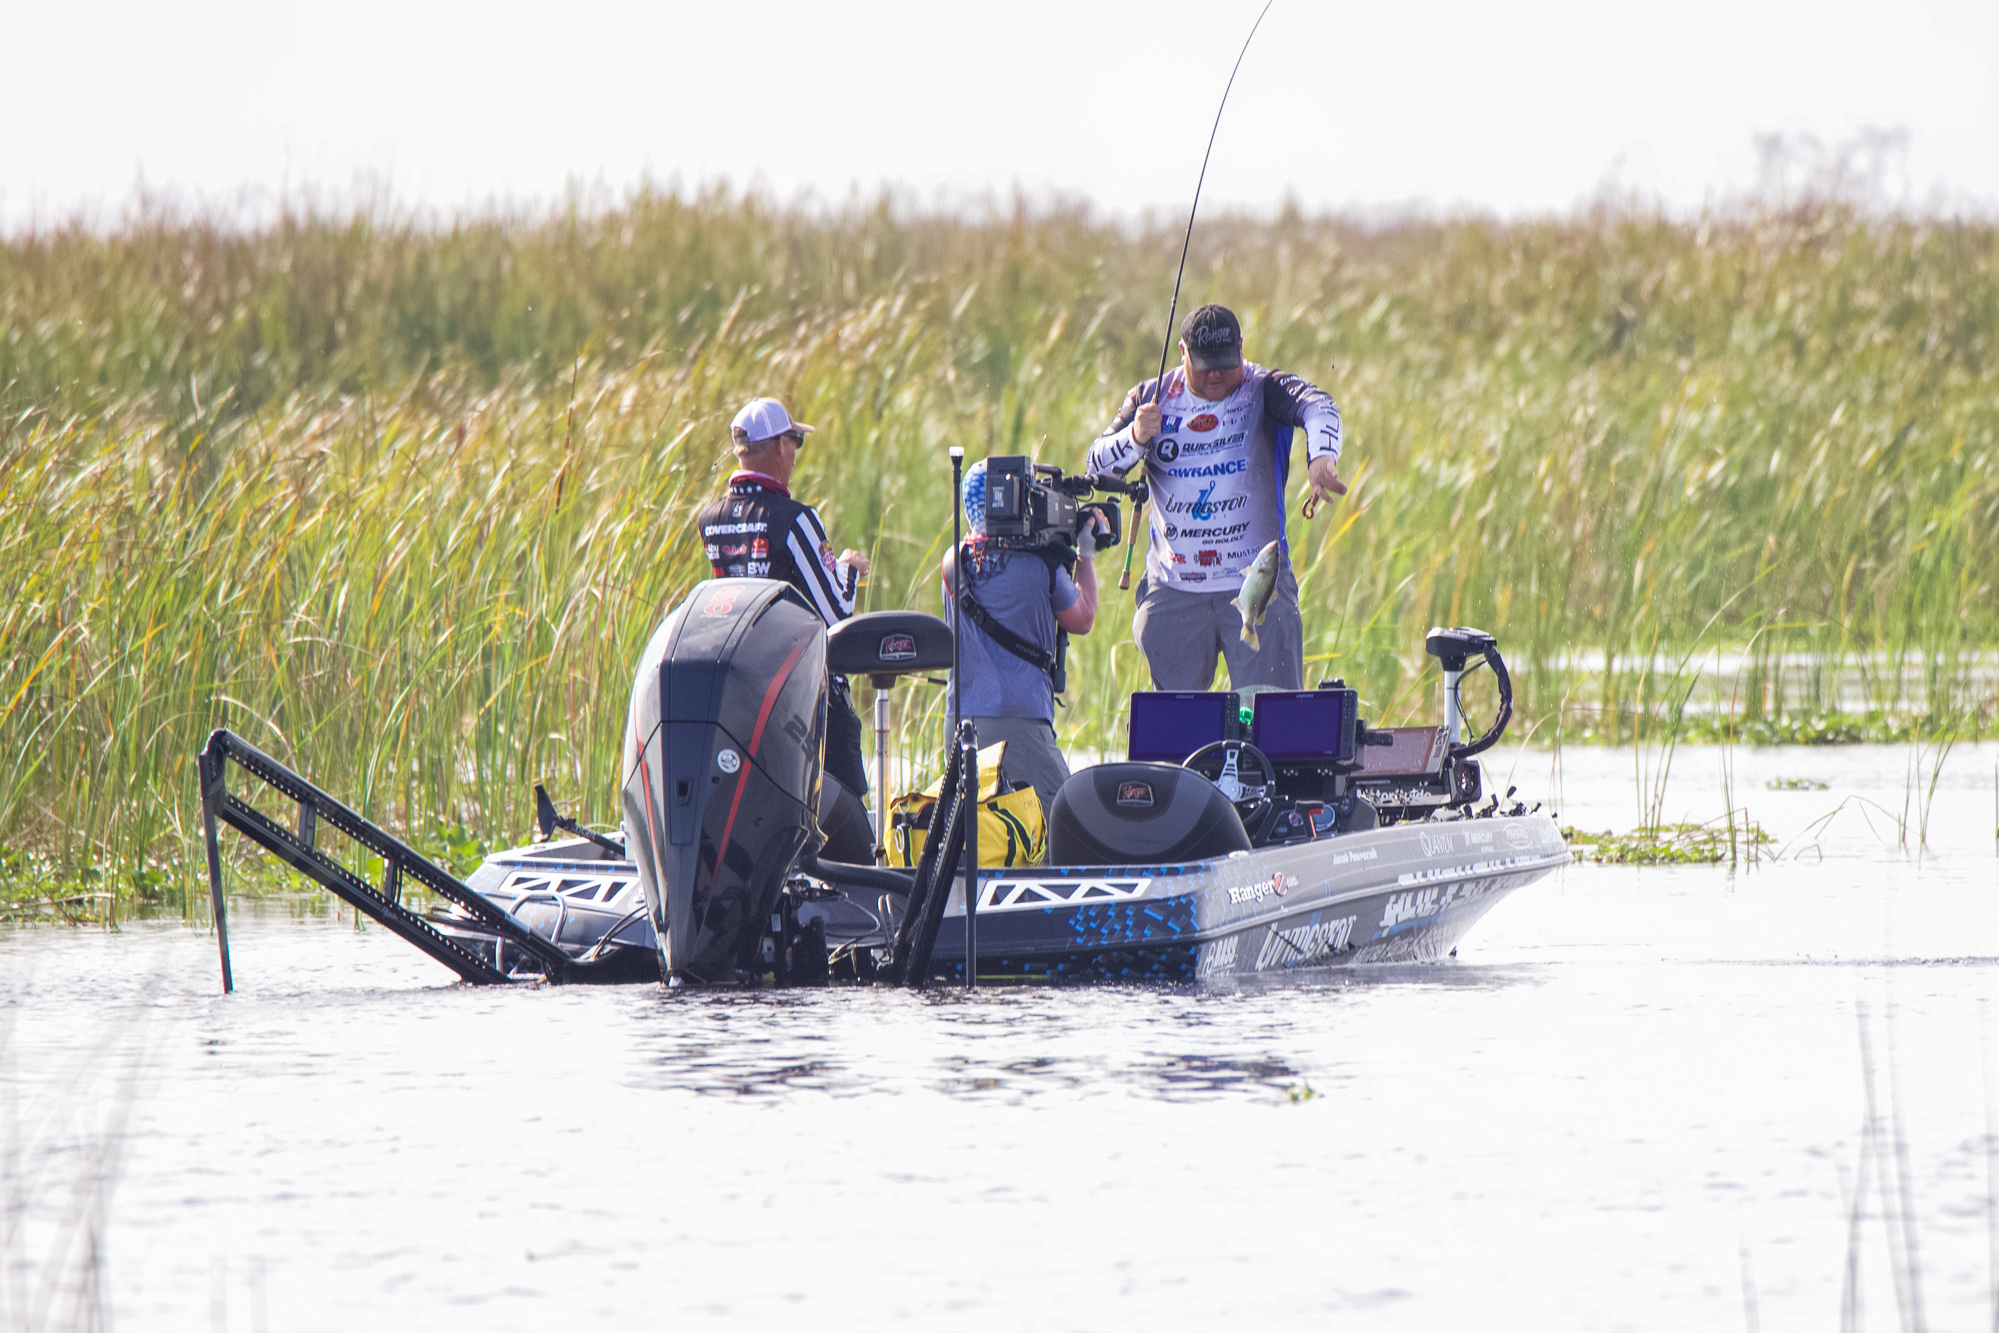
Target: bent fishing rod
x,y
1166,346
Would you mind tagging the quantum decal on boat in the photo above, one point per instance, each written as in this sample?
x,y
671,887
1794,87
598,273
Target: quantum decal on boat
x,y
1457,842
1006,895
1304,945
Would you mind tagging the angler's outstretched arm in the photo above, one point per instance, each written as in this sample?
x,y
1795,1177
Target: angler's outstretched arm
x,y
1291,401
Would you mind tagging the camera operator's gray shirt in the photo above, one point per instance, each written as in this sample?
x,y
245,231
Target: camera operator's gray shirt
x,y
1014,591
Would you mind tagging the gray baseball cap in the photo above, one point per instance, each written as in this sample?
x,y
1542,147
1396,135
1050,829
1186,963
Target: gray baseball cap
x,y
1213,338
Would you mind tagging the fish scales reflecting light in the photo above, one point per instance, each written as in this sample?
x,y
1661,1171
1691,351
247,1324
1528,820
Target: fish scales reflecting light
x,y
1259,581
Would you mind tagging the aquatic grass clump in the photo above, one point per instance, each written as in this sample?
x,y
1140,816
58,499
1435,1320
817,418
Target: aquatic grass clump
x,y
1733,840
401,503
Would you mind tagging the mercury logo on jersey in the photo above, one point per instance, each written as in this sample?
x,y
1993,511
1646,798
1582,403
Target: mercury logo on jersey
x,y
1223,534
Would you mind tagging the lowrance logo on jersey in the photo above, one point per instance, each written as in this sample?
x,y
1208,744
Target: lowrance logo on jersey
x,y
1228,467
1214,471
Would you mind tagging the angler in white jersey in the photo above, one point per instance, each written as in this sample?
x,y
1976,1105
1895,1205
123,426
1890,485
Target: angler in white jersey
x,y
1216,447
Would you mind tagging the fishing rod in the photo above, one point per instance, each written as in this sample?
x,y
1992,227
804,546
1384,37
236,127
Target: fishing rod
x,y
1166,346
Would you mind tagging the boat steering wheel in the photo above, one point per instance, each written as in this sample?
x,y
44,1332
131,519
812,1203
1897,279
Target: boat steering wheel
x,y
1242,773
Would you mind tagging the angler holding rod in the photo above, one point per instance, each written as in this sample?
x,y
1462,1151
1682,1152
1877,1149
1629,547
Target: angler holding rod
x,y
1214,438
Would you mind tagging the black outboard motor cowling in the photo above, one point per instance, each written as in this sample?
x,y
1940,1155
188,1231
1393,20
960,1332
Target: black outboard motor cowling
x,y
721,769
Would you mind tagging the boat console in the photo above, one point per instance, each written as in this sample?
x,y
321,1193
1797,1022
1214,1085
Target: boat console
x,y
1281,758
1303,764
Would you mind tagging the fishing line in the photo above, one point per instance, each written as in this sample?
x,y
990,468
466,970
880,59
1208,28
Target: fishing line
x,y
1166,347
1172,310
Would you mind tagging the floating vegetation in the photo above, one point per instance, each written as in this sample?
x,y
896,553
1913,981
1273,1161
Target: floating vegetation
x,y
1738,840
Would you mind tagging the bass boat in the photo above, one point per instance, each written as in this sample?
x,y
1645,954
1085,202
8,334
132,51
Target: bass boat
x,y
1262,832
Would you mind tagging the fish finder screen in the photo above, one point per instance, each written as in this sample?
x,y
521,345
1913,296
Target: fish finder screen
x,y
1301,726
1166,727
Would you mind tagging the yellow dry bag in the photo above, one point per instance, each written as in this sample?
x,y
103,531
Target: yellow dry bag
x,y
1011,831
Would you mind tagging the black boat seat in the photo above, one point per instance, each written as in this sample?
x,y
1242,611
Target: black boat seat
x,y
885,644
1141,814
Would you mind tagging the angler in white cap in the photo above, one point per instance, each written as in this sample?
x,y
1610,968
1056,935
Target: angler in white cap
x,y
757,530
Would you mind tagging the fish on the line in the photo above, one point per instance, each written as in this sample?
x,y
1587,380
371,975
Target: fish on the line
x,y
1259,581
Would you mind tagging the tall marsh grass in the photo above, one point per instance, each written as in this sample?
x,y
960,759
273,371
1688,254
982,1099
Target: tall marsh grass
x,y
401,501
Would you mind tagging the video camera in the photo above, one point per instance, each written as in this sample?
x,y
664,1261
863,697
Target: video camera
x,y
1030,504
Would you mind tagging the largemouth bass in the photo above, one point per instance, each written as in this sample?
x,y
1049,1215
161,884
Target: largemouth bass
x,y
1259,581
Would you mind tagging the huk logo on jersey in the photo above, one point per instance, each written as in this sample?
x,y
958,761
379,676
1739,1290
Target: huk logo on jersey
x,y
1204,422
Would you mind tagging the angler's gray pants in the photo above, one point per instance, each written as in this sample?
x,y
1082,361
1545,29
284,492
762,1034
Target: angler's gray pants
x,y
1182,632
1032,756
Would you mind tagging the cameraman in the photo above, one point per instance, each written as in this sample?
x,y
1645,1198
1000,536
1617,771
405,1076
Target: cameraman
x,y
1018,600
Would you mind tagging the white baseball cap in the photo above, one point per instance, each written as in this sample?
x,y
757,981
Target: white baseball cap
x,y
765,419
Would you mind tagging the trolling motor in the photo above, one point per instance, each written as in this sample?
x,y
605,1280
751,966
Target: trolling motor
x,y
1454,649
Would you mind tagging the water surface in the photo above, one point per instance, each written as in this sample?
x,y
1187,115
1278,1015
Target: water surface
x,y
1638,1099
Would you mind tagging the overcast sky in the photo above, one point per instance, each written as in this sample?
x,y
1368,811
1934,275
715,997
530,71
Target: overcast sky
x,y
1522,107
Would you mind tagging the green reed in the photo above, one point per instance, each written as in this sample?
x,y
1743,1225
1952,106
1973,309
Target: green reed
x,y
401,501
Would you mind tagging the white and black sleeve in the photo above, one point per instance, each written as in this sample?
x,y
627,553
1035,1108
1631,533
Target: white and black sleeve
x,y
812,553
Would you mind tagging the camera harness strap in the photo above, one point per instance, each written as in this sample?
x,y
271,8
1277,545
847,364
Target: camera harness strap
x,y
1054,665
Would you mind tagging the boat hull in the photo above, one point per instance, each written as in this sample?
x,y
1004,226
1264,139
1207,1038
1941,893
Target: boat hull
x,y
1407,893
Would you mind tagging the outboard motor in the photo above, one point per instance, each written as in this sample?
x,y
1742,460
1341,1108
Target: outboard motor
x,y
721,769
